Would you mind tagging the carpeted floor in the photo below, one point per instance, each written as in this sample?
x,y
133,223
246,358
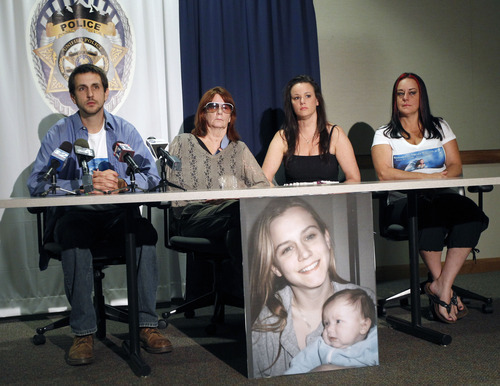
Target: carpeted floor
x,y
473,357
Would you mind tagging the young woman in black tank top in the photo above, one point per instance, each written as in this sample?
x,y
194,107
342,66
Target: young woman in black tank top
x,y
311,148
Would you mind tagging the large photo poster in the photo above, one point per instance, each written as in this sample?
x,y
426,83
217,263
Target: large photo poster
x,y
309,278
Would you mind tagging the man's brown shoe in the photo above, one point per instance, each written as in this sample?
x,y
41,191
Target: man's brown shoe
x,y
153,341
82,351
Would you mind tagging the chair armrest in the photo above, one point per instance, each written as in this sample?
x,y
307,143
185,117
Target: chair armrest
x,y
164,205
36,209
379,194
39,211
480,188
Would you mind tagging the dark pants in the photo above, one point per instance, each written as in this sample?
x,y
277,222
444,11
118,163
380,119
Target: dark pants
x,y
443,219
217,221
209,220
78,231
85,228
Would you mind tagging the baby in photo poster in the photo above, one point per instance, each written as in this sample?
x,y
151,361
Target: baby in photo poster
x,y
349,337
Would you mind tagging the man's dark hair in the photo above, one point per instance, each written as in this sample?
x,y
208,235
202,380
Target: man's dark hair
x,y
84,69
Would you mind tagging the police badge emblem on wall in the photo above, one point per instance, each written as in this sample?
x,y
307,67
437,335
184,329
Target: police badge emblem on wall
x,y
64,35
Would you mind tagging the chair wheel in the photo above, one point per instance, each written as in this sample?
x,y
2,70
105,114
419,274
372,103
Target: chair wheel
x,y
165,315
162,324
39,339
487,308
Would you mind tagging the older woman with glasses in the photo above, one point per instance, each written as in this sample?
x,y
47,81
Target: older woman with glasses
x,y
213,157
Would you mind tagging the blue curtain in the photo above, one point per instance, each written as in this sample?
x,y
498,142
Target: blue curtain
x,y
251,48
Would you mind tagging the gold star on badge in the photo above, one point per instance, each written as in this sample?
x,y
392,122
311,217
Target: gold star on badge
x,y
73,59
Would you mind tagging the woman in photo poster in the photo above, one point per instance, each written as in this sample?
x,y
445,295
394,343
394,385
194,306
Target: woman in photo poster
x,y
292,274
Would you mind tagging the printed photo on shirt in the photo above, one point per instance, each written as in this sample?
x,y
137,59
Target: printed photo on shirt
x,y
430,158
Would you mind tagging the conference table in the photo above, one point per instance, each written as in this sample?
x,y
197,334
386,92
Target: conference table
x,y
129,200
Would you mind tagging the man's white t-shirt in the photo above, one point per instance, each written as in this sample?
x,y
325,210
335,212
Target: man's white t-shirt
x,y
97,142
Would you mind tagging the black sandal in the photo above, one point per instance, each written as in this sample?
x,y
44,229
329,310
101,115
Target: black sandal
x,y
438,303
460,313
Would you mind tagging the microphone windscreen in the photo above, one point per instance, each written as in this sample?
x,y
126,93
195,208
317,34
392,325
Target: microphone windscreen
x,y
104,165
82,143
66,146
115,144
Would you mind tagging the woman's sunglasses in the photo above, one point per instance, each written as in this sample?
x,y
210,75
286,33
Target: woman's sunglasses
x,y
213,107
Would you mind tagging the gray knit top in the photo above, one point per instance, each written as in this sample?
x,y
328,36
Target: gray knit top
x,y
234,167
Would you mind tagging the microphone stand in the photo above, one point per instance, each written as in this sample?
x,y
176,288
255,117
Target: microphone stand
x,y
131,173
54,188
88,185
133,186
164,183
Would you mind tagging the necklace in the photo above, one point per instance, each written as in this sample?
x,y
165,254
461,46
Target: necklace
x,y
305,139
299,311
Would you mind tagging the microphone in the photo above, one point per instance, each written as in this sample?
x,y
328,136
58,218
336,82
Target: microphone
x,y
104,165
124,153
58,159
84,154
157,147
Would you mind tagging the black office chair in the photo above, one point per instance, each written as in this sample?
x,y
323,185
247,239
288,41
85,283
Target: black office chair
x,y
396,232
202,253
103,256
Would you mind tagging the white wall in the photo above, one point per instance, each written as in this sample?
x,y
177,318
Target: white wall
x,y
454,45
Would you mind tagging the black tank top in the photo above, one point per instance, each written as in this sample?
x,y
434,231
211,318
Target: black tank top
x,y
312,168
